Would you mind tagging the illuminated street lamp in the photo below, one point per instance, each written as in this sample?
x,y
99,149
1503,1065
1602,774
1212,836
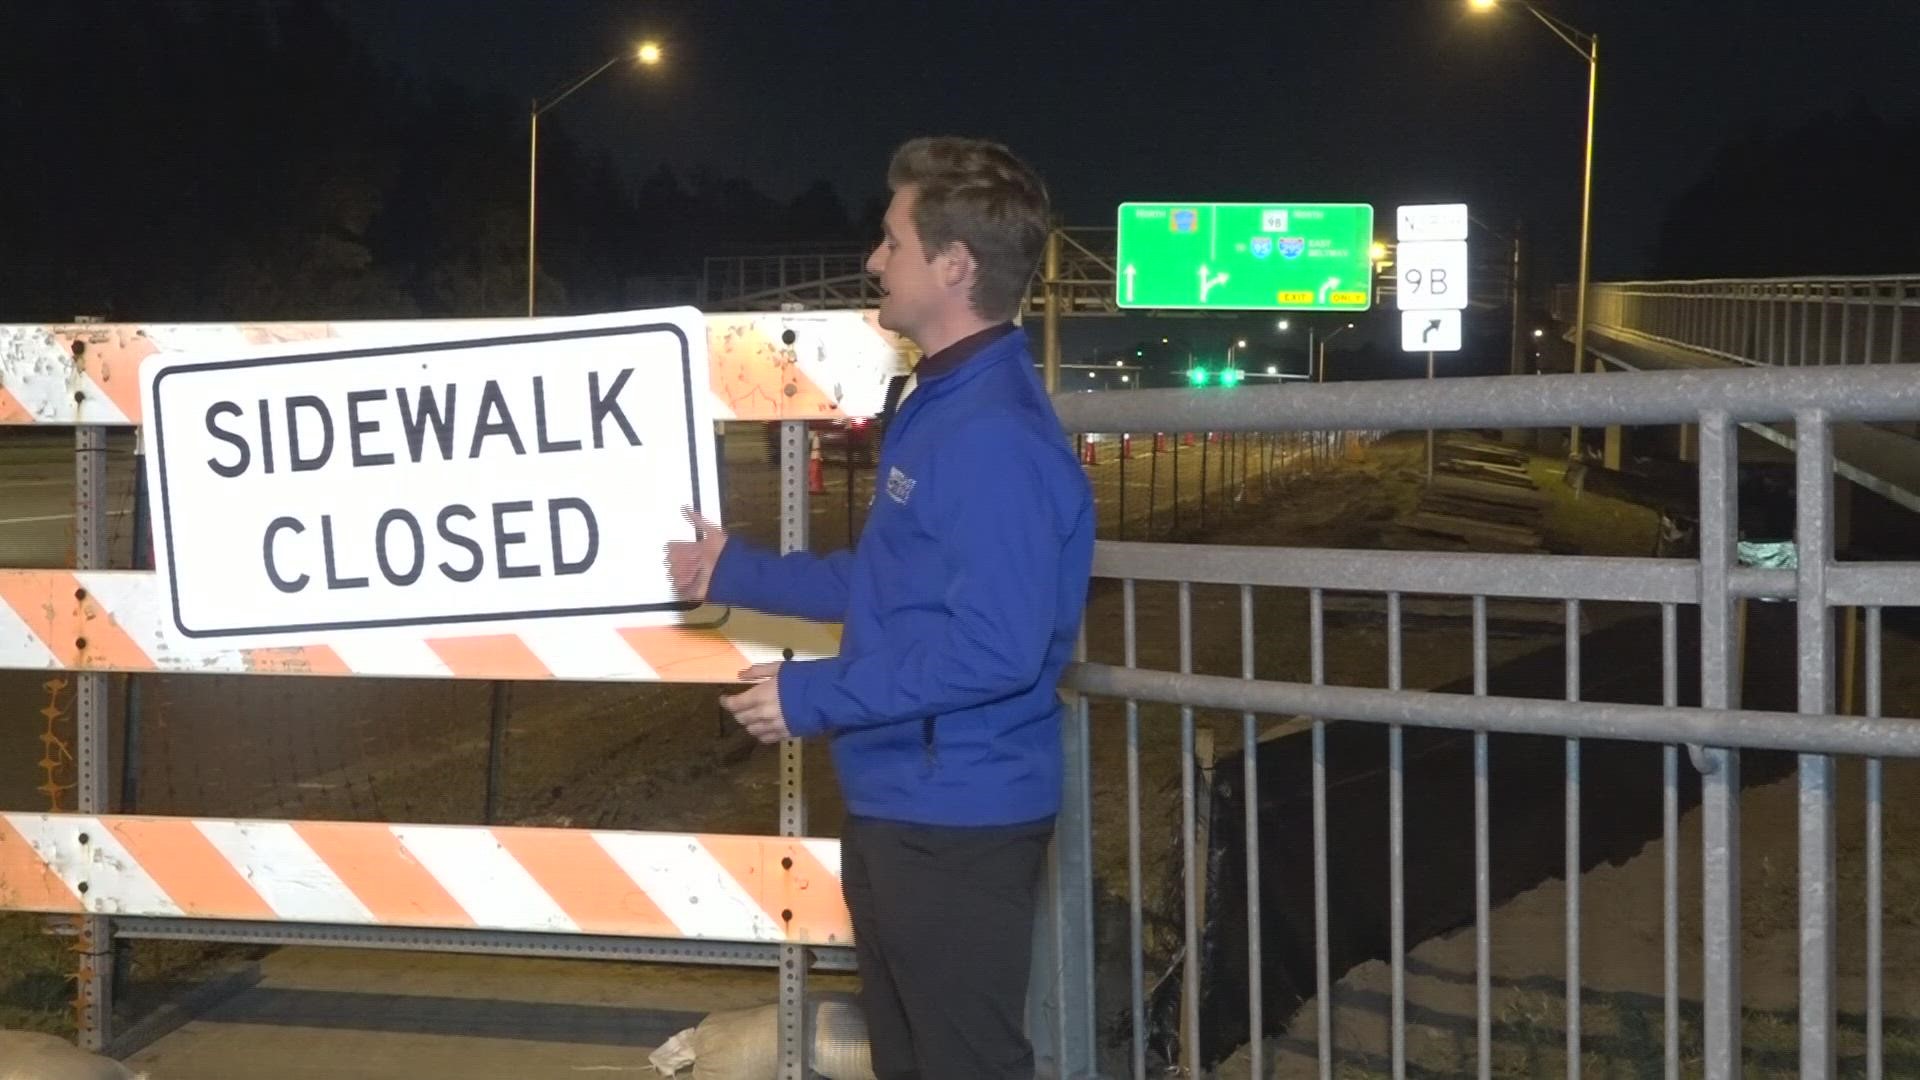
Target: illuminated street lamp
x,y
646,54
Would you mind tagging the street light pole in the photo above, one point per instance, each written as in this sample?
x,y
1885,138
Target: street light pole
x,y
1588,47
1586,214
647,55
1323,349
533,193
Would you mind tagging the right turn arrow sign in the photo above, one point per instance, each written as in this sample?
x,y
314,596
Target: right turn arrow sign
x,y
1430,331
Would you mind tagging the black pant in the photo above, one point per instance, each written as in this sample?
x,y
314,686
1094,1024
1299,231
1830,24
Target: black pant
x,y
943,929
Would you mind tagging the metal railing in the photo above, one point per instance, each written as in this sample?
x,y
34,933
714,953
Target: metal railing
x,y
1766,321
1715,732
835,277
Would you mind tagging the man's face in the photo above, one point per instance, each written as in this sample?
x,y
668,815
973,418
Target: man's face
x,y
912,286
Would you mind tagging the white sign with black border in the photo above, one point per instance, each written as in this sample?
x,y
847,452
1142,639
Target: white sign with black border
x,y
531,474
1431,221
1430,331
1432,275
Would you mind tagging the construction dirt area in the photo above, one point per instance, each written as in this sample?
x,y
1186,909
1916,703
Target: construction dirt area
x,y
663,757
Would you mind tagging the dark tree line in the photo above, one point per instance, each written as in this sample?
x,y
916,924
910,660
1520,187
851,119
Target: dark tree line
x,y
221,160
1832,195
225,161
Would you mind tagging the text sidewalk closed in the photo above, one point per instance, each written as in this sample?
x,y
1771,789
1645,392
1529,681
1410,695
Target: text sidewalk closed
x,y
533,474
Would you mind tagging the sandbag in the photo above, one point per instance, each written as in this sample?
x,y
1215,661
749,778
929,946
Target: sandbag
x,y
840,1048
31,1055
740,1044
744,1044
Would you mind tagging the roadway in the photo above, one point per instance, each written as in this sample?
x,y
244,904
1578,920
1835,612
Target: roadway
x,y
36,499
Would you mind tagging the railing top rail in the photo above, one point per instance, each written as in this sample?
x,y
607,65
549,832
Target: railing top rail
x,y
1744,728
1888,392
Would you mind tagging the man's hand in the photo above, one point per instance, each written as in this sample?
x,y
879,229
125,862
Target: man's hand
x,y
690,563
758,708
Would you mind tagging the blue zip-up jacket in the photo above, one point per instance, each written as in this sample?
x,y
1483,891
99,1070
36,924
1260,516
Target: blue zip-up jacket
x,y
960,605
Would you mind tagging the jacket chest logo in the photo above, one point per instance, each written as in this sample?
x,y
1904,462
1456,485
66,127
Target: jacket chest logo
x,y
899,485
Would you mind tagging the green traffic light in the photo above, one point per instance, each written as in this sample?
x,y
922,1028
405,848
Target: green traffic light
x,y
1197,376
1231,377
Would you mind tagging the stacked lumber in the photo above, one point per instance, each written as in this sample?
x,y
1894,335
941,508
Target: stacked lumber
x,y
1482,498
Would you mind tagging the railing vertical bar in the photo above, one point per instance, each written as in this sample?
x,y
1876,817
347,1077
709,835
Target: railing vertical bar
x,y
1397,843
1250,759
1806,311
1872,308
1769,355
1873,305
1899,319
1136,921
1846,318
1813,467
1876,1016
1322,953
1573,849
1720,785
1670,834
1482,858
1190,865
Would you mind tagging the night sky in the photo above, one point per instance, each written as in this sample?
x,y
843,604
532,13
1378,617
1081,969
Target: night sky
x,y
1383,101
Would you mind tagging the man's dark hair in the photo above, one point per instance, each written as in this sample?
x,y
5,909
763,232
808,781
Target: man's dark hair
x,y
975,192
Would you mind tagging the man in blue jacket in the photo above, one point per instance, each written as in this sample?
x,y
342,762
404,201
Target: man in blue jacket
x,y
961,605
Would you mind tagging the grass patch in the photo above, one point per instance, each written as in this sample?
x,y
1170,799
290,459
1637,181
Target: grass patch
x,y
36,969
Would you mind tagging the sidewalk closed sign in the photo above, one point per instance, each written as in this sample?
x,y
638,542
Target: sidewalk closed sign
x,y
535,473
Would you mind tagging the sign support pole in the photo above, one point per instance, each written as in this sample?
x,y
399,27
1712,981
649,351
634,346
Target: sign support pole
x,y
1429,430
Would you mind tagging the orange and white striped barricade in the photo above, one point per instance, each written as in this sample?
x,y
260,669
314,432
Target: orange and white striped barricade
x,y
498,889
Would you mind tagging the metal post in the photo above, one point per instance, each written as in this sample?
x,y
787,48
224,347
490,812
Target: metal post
x,y
1050,327
1429,430
1060,1018
1153,483
136,685
94,945
1206,437
1813,463
795,1037
1720,786
1176,482
135,713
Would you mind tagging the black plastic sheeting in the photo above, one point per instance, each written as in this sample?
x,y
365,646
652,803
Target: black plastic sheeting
x,y
1621,809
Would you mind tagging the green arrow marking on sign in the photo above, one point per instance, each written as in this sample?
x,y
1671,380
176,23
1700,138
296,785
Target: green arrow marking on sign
x,y
1245,256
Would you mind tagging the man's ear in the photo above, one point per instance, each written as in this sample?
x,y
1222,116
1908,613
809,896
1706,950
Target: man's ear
x,y
957,265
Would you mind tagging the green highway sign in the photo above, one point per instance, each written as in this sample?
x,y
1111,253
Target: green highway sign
x,y
1245,256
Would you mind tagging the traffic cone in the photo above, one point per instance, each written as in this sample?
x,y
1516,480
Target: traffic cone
x,y
1126,447
1090,451
1159,442
816,468
1186,438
